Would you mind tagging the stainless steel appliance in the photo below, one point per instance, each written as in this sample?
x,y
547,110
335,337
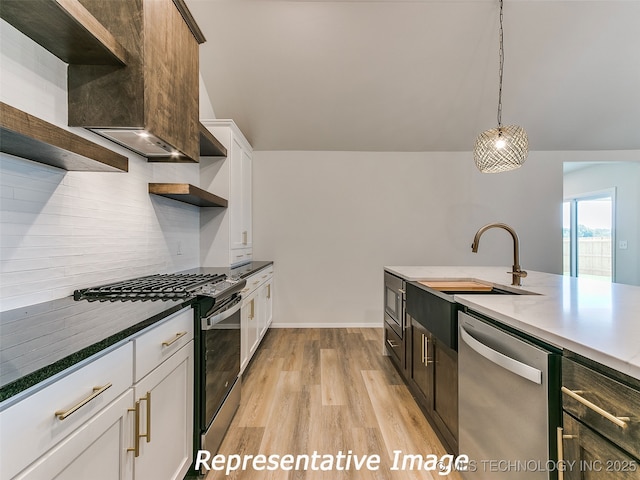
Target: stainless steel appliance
x,y
508,402
217,303
395,320
220,373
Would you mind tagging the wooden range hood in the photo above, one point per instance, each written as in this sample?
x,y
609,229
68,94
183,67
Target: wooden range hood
x,y
150,105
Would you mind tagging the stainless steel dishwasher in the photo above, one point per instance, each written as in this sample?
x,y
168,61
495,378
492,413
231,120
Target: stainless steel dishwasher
x,y
508,403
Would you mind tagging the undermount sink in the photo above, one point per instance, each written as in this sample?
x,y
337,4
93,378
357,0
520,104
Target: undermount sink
x,y
470,287
493,291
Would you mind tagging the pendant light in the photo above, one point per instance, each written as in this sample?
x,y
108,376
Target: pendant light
x,y
505,147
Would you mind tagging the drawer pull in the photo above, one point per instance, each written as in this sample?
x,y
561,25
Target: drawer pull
x,y
177,337
619,421
391,344
62,414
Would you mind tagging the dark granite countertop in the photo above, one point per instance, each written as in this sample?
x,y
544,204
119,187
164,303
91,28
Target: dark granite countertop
x,y
242,271
39,341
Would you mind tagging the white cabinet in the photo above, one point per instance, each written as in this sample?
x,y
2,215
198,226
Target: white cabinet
x,y
164,399
99,420
266,306
227,237
165,416
249,329
97,450
257,313
32,425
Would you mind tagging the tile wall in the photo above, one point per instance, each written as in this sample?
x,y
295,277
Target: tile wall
x,y
65,230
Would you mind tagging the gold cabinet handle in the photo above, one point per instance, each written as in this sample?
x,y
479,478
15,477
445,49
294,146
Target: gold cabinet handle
x,y
425,350
391,344
252,311
244,237
62,414
560,437
136,433
147,398
177,337
269,291
619,421
560,452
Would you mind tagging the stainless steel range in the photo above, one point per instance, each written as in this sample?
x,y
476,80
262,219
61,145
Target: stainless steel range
x,y
217,303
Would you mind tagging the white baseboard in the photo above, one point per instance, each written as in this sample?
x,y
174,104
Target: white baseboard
x,y
326,325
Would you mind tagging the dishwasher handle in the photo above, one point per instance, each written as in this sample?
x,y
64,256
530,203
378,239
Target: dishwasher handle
x,y
521,369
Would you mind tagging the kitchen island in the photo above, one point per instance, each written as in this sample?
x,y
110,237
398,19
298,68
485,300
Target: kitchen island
x,y
592,318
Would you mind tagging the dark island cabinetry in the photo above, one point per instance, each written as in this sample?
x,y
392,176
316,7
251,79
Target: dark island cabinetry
x,y
433,355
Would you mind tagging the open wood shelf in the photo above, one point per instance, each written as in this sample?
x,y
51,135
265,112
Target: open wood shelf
x,y
66,29
210,146
187,193
26,136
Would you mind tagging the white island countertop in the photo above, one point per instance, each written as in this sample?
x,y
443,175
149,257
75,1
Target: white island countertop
x,y
593,318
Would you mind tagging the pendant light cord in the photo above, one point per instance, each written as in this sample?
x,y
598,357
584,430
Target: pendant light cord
x,y
501,69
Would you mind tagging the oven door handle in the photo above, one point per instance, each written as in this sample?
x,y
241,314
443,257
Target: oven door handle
x,y
209,322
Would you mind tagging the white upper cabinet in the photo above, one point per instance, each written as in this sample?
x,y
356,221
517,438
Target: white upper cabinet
x,y
227,236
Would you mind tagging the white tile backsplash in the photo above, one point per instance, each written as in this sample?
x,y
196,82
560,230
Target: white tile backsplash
x,y
60,230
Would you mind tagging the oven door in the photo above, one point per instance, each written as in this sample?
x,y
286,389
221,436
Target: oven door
x,y
221,369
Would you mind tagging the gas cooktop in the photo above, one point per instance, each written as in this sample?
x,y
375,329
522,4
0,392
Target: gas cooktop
x,y
162,287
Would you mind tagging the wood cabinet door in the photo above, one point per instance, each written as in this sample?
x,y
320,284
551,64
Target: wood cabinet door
x,y
97,450
165,419
588,456
422,360
445,402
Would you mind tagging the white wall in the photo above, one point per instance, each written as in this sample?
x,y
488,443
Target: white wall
x,y
332,220
625,178
65,230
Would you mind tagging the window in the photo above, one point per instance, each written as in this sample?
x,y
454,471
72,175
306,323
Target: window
x,y
588,236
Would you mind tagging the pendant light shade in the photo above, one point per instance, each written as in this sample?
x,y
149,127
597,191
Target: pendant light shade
x,y
501,149
505,147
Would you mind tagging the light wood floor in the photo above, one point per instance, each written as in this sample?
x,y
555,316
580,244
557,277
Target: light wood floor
x,y
327,390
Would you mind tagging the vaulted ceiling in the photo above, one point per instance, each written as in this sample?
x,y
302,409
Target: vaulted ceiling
x,y
422,75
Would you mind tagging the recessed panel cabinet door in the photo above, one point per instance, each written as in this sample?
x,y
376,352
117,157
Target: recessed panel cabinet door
x,y
165,418
590,457
445,402
98,450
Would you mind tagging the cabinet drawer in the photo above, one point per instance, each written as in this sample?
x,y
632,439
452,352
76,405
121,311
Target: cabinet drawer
x,y
161,341
256,279
33,425
394,345
612,397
